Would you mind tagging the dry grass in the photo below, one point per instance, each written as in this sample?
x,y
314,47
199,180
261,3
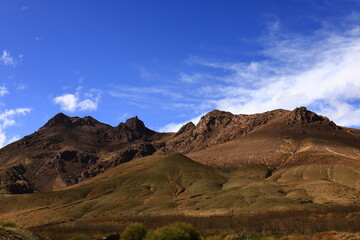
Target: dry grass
x,y
300,222
332,235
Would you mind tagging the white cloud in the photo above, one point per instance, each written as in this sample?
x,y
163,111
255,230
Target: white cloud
x,y
321,72
20,86
67,102
7,59
3,91
123,117
7,119
78,101
13,139
174,127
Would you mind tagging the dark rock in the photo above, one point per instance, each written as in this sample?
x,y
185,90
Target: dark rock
x,y
13,181
59,119
114,236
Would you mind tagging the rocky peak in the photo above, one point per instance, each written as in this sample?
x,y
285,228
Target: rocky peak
x,y
214,119
132,129
186,128
136,124
59,119
302,115
85,121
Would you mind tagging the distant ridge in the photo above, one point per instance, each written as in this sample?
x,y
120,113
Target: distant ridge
x,y
67,150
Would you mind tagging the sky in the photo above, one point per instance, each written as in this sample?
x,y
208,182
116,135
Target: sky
x,y
170,62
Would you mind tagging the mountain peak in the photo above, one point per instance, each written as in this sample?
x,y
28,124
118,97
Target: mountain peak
x,y
214,119
188,127
59,119
132,129
135,123
302,115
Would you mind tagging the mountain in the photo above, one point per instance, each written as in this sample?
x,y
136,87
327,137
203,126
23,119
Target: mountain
x,y
74,168
68,150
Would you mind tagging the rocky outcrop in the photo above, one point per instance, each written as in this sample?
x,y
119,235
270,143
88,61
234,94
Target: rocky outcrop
x,y
131,130
13,181
303,116
61,119
215,128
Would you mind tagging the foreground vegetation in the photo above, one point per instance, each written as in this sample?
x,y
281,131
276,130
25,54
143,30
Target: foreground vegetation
x,y
269,225
8,224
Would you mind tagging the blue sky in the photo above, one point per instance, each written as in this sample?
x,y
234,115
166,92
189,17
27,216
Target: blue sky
x,y
169,62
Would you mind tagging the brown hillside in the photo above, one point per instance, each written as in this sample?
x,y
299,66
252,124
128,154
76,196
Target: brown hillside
x,y
68,150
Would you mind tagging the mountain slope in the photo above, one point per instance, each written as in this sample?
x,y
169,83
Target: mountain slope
x,y
175,184
285,139
68,150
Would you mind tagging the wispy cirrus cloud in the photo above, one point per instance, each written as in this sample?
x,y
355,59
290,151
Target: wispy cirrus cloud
x,y
79,101
319,71
153,96
8,119
3,91
20,86
8,60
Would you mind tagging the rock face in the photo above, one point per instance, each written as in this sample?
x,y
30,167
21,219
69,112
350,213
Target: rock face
x,y
302,115
131,130
67,150
12,180
218,127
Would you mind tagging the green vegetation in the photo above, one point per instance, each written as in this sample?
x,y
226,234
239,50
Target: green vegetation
x,y
135,231
8,224
176,231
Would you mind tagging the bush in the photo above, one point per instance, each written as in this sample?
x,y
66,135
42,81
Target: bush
x,y
80,237
135,231
8,224
176,231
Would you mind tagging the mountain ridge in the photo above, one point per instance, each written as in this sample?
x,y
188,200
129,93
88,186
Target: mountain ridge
x,y
67,150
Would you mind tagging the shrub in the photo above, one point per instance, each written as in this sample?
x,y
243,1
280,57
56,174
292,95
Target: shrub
x,y
176,231
135,231
80,237
8,224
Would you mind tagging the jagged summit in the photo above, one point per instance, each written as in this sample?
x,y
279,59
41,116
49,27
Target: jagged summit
x,y
190,126
61,119
133,129
302,115
136,124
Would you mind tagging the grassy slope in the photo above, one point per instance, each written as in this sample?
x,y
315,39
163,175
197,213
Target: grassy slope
x,y
176,184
